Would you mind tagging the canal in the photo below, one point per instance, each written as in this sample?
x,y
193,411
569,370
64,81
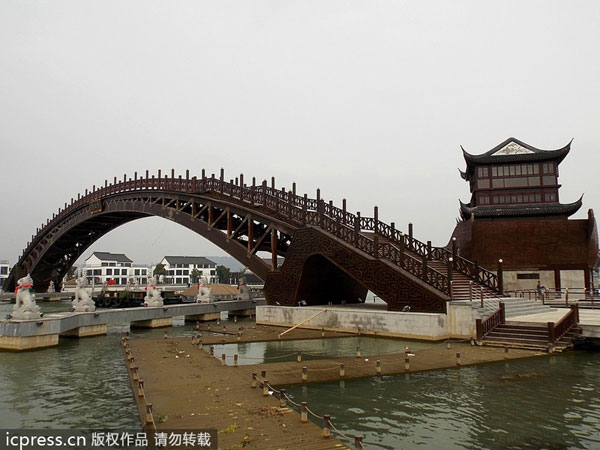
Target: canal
x,y
549,402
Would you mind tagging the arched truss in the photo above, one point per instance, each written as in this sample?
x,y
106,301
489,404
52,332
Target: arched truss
x,y
243,220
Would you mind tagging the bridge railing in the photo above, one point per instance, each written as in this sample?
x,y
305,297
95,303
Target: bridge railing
x,y
301,209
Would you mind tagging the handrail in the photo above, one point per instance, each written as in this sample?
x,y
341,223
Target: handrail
x,y
301,209
562,327
486,326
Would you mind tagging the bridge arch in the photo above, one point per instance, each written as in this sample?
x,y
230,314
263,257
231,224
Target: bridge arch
x,y
361,252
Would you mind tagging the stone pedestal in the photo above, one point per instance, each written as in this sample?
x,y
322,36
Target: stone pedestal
x,y
19,343
242,313
86,331
153,323
203,317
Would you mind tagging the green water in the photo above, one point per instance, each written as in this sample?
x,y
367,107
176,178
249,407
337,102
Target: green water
x,y
551,402
282,351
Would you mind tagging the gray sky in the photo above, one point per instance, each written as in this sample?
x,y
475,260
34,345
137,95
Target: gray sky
x,y
368,100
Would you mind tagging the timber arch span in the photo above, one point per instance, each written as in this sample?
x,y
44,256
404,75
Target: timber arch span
x,y
331,255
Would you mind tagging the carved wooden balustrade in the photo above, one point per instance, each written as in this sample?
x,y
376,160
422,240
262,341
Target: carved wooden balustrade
x,y
564,325
400,249
483,327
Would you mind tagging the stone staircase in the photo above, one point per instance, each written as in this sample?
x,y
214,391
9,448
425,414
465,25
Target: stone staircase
x,y
514,306
529,336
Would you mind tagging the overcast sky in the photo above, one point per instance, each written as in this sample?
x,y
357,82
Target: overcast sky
x,y
368,100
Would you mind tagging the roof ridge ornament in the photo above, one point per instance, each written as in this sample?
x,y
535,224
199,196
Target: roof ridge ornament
x,y
512,148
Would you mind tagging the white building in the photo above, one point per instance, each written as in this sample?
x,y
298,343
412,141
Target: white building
x,y
179,269
113,269
4,271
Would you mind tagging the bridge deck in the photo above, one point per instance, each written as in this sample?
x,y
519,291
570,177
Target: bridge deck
x,y
189,390
61,322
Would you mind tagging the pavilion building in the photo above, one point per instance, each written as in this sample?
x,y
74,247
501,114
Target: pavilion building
x,y
515,215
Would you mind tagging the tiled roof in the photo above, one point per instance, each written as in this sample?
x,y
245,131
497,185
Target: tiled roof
x,y
538,209
189,260
521,152
106,256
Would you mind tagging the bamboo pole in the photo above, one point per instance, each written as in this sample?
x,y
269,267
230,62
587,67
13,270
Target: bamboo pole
x,y
304,321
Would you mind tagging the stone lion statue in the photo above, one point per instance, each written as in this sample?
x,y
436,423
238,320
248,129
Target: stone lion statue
x,y
203,292
244,293
82,301
153,297
25,307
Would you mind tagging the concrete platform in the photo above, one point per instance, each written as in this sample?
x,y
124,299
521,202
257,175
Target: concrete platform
x,y
458,323
589,320
45,331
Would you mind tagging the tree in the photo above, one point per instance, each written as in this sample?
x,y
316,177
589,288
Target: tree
x,y
160,270
71,273
195,275
223,274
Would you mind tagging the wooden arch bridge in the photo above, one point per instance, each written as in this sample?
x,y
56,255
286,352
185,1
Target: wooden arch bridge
x,y
331,255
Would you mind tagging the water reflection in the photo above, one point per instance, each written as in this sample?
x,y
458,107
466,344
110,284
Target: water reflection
x,y
282,351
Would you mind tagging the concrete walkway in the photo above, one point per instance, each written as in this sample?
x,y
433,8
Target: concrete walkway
x,y
589,320
586,316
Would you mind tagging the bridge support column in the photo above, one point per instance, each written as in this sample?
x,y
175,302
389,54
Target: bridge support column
x,y
203,317
242,313
153,323
20,343
86,331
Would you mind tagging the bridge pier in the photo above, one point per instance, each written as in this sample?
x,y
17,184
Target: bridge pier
x,y
242,313
20,343
86,331
203,317
153,323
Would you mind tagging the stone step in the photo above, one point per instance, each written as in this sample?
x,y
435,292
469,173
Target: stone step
x,y
516,339
542,348
512,332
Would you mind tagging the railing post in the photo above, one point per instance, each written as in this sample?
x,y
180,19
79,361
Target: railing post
x,y
376,219
358,445
402,247
344,211
502,312
575,309
356,228
470,290
264,192
320,208
410,235
221,180
566,296
326,431
304,208
479,329
449,270
551,334
500,277
454,249
429,257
